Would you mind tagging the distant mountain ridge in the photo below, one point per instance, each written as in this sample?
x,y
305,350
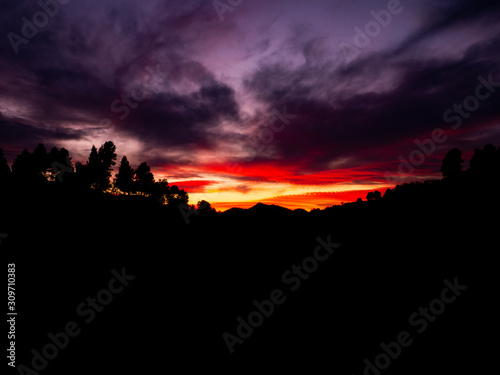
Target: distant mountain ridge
x,y
261,209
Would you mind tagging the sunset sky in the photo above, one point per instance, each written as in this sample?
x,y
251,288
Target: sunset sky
x,y
304,104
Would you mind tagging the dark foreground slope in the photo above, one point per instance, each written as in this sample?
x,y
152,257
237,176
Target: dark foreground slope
x,y
192,282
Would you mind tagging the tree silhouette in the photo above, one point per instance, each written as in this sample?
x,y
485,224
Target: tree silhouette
x,y
40,166
373,195
60,163
452,163
205,208
144,179
64,158
177,196
388,194
29,167
99,166
107,157
125,176
82,176
5,171
160,191
91,172
54,154
484,163
40,159
23,168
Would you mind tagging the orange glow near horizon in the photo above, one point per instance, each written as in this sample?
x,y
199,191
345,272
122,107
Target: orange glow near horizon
x,y
282,187
300,201
242,185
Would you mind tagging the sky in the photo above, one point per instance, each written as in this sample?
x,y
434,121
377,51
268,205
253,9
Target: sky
x,y
305,104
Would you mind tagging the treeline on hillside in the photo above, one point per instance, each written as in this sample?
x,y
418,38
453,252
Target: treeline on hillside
x,y
483,173
41,168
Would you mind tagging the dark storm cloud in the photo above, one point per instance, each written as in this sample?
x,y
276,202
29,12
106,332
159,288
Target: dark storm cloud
x,y
170,119
90,54
18,132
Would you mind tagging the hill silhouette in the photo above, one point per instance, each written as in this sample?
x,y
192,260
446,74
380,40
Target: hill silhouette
x,y
197,281
268,209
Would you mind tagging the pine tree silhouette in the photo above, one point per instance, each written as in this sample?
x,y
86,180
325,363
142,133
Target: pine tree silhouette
x,y
452,163
143,179
125,176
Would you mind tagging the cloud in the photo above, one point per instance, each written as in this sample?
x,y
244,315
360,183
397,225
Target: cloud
x,y
18,132
245,189
86,61
86,64
342,115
